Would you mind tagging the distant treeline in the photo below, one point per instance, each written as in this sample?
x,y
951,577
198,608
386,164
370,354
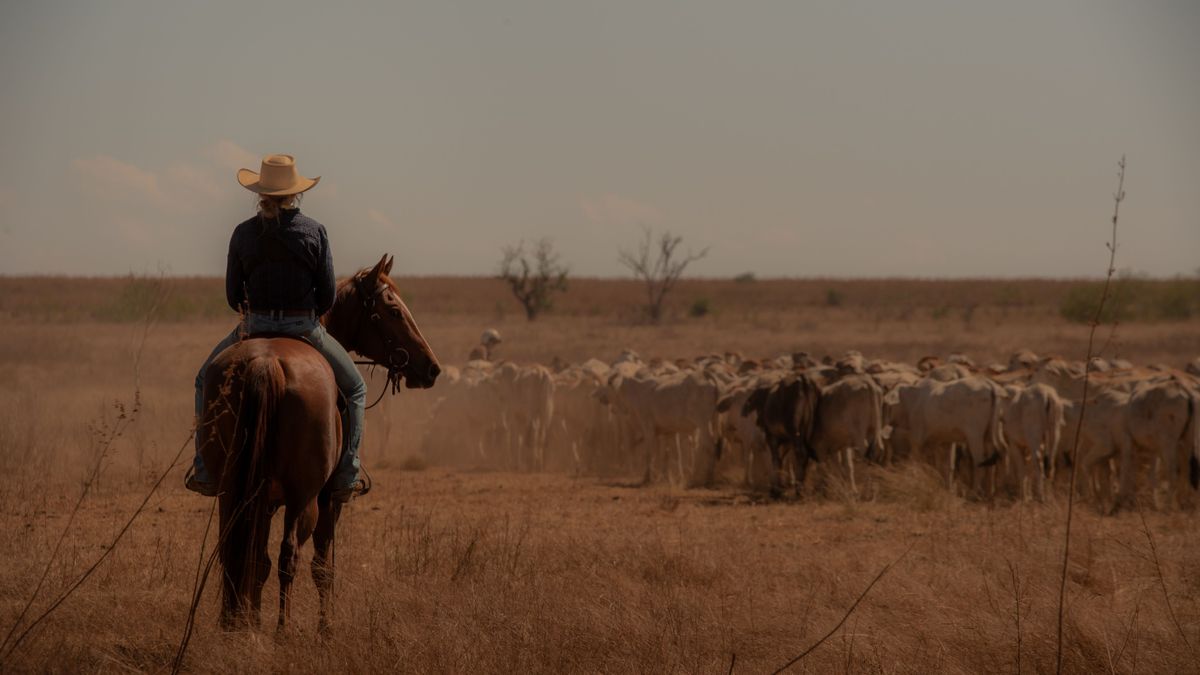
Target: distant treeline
x,y
130,298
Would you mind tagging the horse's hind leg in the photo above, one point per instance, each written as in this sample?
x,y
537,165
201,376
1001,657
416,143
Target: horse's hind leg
x,y
322,562
298,525
260,561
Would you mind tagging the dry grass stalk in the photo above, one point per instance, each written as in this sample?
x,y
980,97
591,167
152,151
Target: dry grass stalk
x,y
1162,582
845,616
108,435
1118,197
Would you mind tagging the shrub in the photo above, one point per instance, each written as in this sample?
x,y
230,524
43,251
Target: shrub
x,y
700,307
1010,296
533,276
659,265
745,278
833,298
1131,299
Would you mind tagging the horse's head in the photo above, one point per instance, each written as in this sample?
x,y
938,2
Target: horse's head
x,y
370,318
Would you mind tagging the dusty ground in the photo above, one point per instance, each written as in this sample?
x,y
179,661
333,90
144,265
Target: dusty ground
x,y
449,569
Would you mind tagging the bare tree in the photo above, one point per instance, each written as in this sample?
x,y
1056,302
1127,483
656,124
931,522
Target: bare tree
x,y
659,264
533,275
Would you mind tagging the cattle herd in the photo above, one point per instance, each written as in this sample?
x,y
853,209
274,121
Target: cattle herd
x,y
1004,428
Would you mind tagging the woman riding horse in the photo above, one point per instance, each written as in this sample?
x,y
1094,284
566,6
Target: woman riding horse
x,y
279,274
268,426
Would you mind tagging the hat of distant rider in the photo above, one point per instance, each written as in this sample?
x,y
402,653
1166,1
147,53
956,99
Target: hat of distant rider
x,y
277,177
490,337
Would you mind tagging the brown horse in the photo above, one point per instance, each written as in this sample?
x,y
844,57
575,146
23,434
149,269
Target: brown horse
x,y
272,432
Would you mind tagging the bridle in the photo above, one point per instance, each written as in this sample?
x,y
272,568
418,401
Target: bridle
x,y
397,357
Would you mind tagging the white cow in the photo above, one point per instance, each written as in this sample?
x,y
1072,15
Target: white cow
x,y
582,427
526,397
1033,421
934,416
848,423
675,410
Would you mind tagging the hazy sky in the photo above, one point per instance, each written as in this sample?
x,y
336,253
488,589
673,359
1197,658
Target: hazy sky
x,y
796,138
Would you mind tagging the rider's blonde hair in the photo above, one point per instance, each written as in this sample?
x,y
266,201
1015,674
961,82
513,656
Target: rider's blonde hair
x,y
269,205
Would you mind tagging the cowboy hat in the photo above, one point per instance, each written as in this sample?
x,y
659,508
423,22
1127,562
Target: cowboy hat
x,y
277,177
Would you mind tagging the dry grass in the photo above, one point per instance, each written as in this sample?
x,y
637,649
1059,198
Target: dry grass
x,y
454,572
451,570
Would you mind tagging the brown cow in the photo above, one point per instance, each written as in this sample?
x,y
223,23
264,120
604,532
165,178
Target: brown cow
x,y
786,410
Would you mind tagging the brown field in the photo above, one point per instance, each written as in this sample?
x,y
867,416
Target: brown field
x,y
456,569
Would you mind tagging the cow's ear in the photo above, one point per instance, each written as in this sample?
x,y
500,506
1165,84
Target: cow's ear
x,y
892,397
755,401
724,403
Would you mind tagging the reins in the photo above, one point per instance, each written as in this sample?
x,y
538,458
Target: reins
x,y
397,356
393,379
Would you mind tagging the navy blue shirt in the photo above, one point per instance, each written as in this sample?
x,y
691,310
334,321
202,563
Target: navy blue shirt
x,y
282,264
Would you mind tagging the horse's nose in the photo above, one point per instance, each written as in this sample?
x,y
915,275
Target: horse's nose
x,y
434,371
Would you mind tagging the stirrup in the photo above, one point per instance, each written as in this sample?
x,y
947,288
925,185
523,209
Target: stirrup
x,y
203,489
344,495
360,487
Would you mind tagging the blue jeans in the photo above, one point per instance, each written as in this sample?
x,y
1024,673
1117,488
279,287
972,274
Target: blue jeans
x,y
345,373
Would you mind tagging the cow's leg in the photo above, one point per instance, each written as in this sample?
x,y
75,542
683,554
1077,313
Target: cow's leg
x,y
649,442
800,459
543,441
978,450
749,466
683,444
705,454
1036,472
776,487
849,453
1127,474
1095,464
1014,469
1167,468
1102,470
952,473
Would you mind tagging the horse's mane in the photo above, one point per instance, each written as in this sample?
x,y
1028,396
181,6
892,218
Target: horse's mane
x,y
346,286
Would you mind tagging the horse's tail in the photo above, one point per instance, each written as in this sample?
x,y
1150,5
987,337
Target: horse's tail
x,y
243,549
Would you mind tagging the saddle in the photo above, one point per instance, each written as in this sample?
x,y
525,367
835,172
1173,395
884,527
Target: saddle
x,y
271,335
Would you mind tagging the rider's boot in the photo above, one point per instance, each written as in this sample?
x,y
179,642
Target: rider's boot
x,y
346,481
198,480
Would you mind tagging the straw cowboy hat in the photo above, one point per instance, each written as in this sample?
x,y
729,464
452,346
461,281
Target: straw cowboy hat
x,y
277,177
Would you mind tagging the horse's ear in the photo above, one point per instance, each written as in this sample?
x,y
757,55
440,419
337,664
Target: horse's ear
x,y
372,277
387,269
